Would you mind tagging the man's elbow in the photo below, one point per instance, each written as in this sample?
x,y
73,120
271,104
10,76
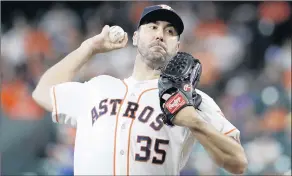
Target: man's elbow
x,y
36,96
42,99
240,165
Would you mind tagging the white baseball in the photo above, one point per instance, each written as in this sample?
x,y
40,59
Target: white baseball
x,y
116,34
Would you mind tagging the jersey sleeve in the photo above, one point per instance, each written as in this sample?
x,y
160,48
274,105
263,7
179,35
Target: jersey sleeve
x,y
212,114
69,102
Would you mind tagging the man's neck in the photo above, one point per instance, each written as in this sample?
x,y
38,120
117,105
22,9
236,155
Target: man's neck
x,y
143,72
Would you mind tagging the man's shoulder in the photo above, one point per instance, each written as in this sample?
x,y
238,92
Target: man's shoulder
x,y
104,80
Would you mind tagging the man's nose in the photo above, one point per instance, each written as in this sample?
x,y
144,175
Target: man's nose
x,y
159,35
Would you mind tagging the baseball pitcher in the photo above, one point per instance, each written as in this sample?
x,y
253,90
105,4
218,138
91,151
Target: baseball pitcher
x,y
148,123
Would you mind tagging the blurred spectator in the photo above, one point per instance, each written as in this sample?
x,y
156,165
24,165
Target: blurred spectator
x,y
37,42
62,25
13,41
16,99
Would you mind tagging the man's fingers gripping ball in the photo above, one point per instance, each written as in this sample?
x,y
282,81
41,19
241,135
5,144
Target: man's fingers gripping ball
x,y
116,34
110,38
121,43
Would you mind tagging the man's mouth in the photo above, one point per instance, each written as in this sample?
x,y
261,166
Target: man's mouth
x,y
158,46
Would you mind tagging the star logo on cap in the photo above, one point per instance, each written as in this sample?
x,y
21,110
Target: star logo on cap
x,y
165,7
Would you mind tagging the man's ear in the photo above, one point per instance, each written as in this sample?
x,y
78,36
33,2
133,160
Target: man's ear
x,y
178,46
135,38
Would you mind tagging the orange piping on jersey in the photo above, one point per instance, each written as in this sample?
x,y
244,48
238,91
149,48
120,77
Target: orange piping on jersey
x,y
229,131
129,141
130,130
144,92
55,101
116,128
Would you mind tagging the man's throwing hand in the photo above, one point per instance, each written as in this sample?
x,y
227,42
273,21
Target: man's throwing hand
x,y
101,43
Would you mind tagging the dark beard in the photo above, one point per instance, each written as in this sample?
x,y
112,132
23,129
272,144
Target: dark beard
x,y
162,66
151,64
168,58
155,65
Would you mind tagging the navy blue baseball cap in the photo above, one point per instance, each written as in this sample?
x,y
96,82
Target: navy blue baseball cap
x,y
162,13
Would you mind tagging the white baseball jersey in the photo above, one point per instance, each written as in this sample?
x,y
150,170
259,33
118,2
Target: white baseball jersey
x,y
120,130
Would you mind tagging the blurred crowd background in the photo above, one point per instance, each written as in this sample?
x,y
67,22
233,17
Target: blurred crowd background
x,y
245,49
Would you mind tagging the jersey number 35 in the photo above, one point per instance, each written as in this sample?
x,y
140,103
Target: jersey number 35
x,y
158,156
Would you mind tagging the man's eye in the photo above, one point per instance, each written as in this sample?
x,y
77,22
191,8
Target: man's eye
x,y
170,31
153,27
